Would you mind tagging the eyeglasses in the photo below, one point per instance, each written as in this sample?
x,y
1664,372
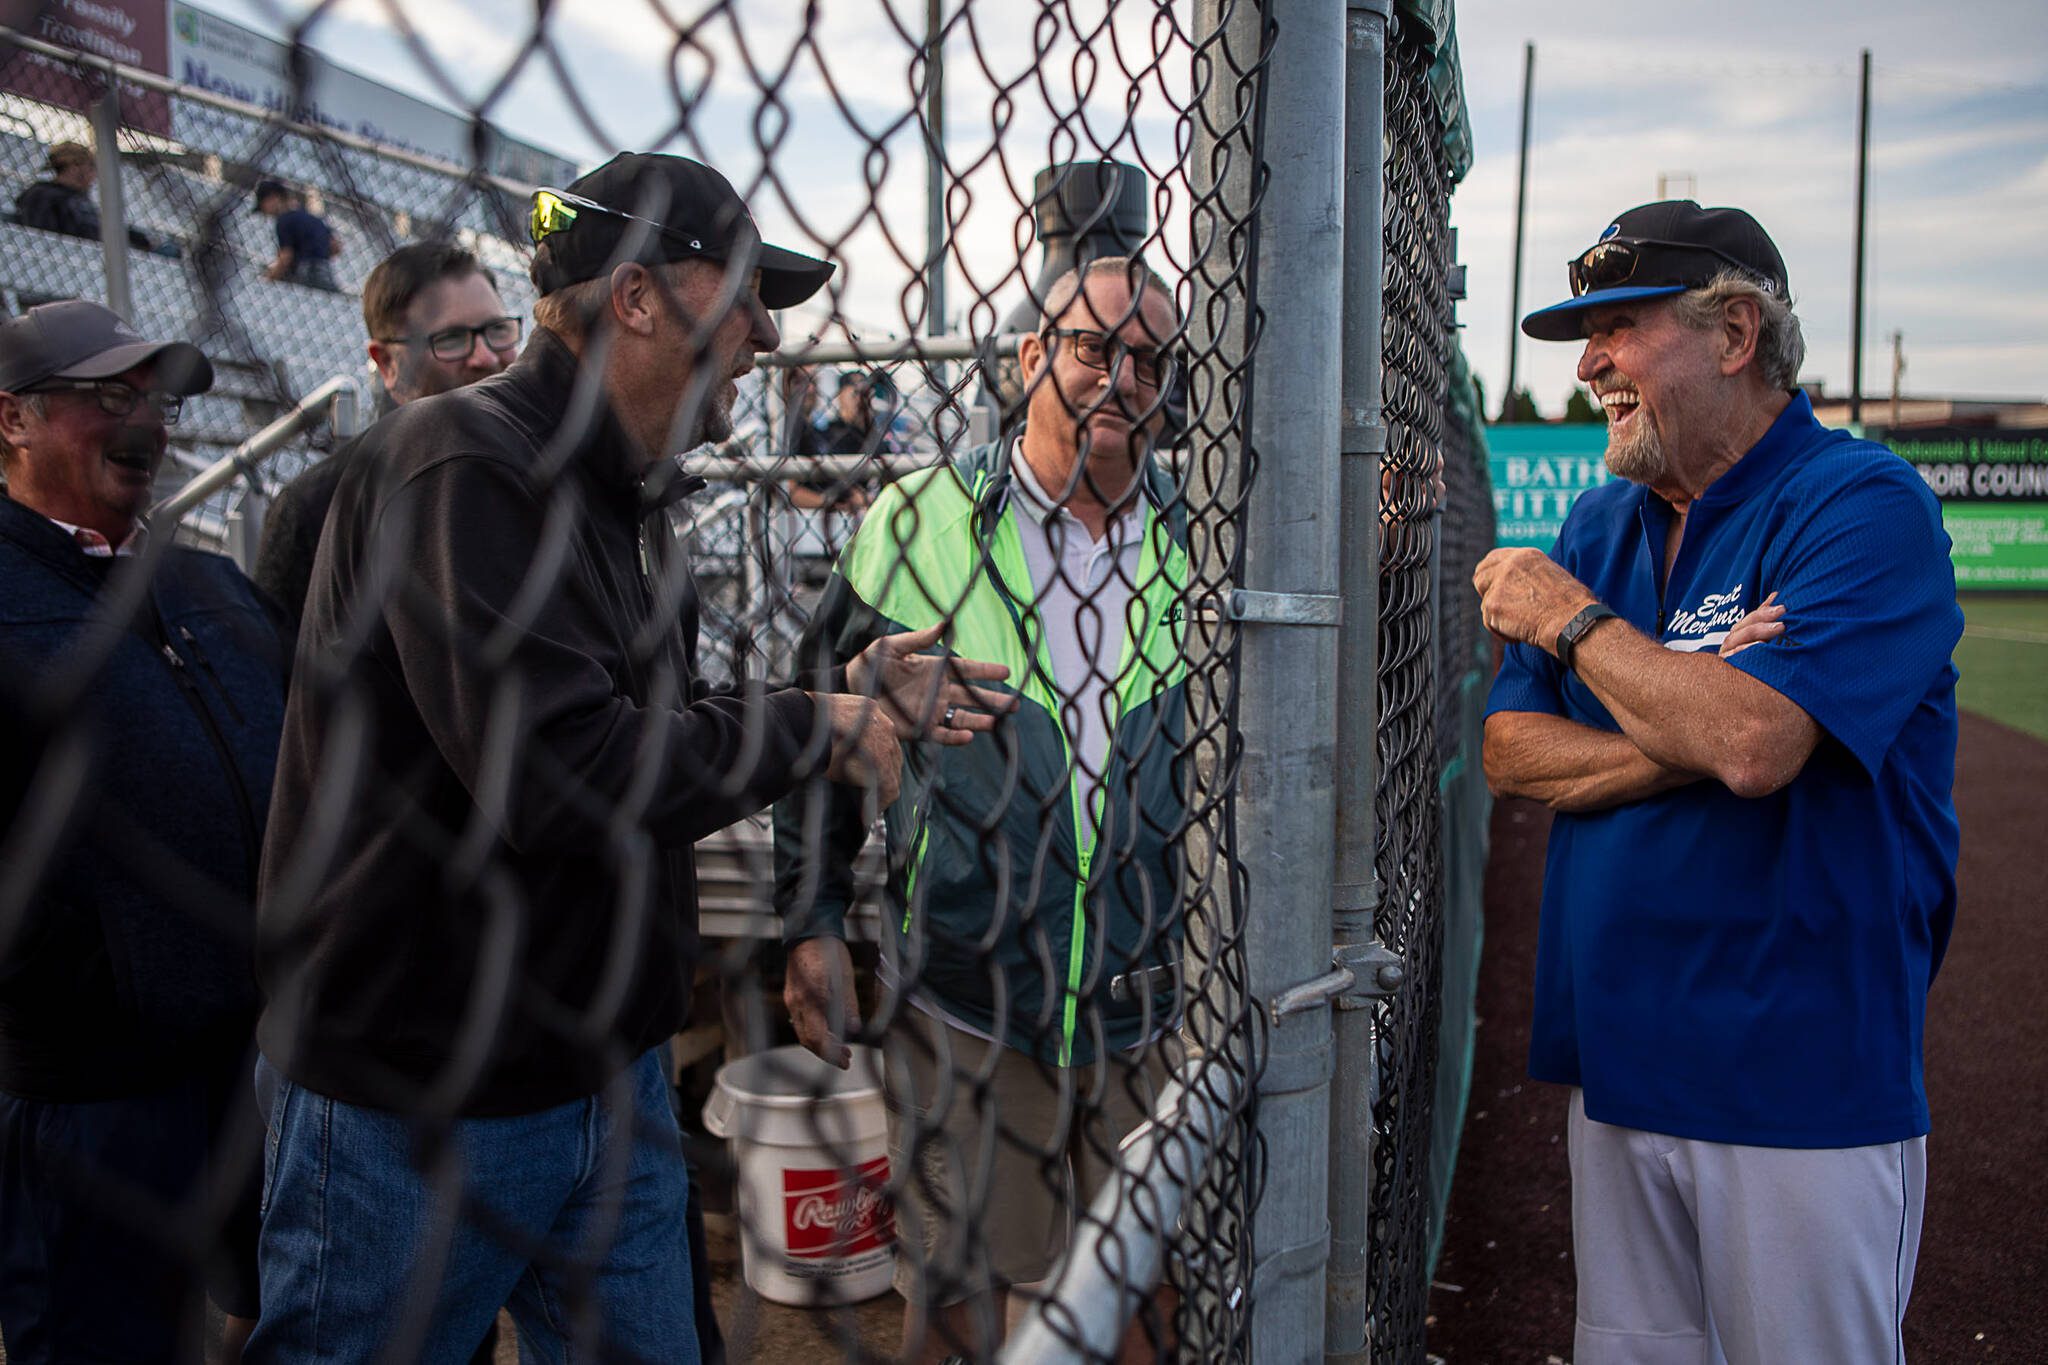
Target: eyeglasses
x,y
117,399
1153,366
455,343
557,211
1613,263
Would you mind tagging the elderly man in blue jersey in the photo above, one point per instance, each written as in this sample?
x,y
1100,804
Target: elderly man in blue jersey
x,y
1731,680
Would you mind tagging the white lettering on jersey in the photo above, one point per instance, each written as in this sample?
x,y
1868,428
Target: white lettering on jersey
x,y
1705,626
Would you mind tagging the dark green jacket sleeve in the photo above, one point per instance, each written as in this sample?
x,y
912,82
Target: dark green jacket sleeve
x,y
819,829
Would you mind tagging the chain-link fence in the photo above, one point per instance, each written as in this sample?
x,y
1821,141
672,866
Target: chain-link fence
x,y
1082,1109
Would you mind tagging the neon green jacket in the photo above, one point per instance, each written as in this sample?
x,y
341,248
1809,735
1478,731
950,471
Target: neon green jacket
x,y
1006,918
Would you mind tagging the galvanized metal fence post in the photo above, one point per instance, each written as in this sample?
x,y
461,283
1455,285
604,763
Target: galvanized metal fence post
x,y
1355,894
106,133
1288,611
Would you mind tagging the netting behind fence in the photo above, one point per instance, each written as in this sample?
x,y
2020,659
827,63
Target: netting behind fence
x,y
1418,349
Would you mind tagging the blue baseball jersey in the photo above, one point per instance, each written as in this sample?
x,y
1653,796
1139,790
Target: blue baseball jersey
x,y
1756,971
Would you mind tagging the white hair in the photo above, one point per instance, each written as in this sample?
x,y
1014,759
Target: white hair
x,y
1780,346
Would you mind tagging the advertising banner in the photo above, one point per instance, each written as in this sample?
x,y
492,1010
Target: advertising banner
x,y
1538,470
214,54
131,32
1993,487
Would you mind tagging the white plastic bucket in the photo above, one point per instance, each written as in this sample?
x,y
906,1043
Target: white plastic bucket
x,y
812,1146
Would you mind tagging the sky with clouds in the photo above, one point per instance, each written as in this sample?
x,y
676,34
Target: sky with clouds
x,y
1753,100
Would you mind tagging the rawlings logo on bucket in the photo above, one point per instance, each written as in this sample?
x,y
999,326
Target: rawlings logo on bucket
x,y
837,1212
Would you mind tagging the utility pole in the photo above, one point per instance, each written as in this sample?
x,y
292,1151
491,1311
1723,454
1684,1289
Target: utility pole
x,y
935,167
1862,212
1507,400
1898,371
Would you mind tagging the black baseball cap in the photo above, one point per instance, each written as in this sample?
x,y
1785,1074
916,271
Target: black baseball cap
x,y
653,208
1658,249
79,340
266,188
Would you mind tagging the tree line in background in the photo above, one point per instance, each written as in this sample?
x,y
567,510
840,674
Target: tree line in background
x,y
1521,406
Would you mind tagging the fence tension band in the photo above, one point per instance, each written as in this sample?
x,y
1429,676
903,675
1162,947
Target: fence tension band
x,y
1359,974
1284,608
1364,438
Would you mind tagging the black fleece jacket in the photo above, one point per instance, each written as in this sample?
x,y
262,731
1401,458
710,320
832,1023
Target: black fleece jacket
x,y
477,894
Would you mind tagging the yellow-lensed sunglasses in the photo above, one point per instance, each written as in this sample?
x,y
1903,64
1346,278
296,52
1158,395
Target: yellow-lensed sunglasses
x,y
557,211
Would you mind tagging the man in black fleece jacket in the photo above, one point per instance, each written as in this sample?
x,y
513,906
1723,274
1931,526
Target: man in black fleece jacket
x,y
478,915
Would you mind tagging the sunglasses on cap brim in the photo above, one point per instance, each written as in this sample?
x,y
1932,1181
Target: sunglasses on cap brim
x,y
1616,262
555,211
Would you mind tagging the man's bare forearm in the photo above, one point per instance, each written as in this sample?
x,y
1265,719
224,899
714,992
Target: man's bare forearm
x,y
1694,711
1568,766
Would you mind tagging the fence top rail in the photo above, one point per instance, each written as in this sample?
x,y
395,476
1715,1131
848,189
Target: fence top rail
x,y
893,349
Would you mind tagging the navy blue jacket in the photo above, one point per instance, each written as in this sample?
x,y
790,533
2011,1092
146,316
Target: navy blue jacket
x,y
135,770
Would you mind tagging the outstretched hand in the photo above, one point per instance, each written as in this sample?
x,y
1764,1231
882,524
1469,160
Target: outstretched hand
x,y
930,696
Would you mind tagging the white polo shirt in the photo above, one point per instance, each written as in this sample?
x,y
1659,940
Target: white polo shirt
x,y
1082,589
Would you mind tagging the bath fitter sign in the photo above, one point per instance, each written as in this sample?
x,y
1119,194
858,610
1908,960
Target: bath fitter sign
x,y
1538,470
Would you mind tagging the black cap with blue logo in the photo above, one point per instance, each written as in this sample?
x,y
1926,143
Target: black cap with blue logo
x,y
1658,249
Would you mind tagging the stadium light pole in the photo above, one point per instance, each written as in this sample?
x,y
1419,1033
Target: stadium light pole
x,y
1507,399
1862,215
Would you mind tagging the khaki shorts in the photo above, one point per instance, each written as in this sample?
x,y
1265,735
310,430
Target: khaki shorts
x,y
993,1156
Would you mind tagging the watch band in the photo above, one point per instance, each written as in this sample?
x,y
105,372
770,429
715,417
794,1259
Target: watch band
x,y
1576,628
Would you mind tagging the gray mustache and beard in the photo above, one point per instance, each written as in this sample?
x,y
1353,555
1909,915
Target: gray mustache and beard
x,y
1638,454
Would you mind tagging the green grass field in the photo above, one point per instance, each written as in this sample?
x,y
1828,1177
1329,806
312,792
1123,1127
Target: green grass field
x,y
2003,658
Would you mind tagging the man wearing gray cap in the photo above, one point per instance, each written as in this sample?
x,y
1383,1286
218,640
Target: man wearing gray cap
x,y
478,918
1731,678
141,694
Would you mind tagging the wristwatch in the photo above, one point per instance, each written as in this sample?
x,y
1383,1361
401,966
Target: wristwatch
x,y
1576,629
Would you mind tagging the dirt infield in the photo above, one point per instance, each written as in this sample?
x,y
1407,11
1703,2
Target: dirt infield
x,y
1504,1284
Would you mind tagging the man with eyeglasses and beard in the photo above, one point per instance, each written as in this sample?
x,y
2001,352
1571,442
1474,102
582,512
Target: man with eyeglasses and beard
x,y
435,323
477,927
1035,877
1731,679
141,693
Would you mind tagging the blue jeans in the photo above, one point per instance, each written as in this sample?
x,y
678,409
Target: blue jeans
x,y
378,1245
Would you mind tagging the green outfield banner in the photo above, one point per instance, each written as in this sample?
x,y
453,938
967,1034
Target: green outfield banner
x,y
1993,487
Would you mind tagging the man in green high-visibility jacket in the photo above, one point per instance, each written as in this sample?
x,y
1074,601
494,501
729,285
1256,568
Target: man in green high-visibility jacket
x,y
1035,922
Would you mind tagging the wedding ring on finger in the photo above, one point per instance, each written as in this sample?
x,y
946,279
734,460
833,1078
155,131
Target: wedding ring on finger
x,y
947,719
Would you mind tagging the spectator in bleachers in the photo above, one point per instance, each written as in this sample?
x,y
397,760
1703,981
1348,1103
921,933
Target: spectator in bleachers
x,y
863,416
65,203
139,726
435,323
306,245
862,423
